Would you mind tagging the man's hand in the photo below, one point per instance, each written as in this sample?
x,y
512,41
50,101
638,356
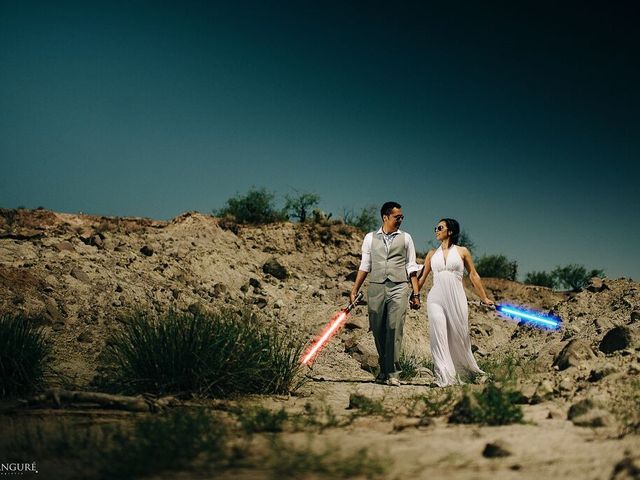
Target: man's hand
x,y
352,296
414,301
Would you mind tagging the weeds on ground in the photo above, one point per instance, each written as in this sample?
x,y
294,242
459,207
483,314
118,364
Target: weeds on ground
x,y
180,441
155,444
289,461
410,366
260,419
199,353
492,406
24,356
317,417
433,403
505,368
366,406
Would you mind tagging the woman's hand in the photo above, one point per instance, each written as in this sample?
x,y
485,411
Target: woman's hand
x,y
488,302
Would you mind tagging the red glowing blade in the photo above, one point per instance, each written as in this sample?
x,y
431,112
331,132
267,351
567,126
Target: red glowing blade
x,y
330,330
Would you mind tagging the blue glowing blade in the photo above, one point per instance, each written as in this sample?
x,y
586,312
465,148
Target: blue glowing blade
x,y
530,317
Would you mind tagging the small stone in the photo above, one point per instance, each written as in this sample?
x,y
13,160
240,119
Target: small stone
x,y
278,304
634,317
254,282
599,373
573,354
64,246
597,285
147,251
496,449
618,338
275,268
85,337
79,274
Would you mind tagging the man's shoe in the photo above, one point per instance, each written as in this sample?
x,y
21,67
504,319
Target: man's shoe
x,y
393,382
381,379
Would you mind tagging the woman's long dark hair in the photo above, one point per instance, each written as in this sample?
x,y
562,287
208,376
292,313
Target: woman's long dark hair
x,y
454,228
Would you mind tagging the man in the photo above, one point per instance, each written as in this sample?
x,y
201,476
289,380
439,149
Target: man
x,y
389,258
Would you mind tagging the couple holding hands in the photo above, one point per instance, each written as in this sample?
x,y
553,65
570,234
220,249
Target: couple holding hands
x,y
389,260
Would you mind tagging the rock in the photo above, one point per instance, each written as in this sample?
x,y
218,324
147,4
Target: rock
x,y
544,391
599,373
219,290
634,317
254,282
363,353
85,337
53,312
628,468
597,285
79,274
356,322
602,325
618,338
275,268
573,354
147,251
566,385
586,413
527,392
64,246
496,449
403,423
260,302
278,304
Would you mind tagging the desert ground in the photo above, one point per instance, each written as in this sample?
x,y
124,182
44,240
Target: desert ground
x,y
78,276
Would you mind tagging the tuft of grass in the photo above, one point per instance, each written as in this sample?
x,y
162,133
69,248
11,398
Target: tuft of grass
x,y
260,419
199,353
505,368
120,453
434,403
410,365
492,406
289,461
366,405
24,356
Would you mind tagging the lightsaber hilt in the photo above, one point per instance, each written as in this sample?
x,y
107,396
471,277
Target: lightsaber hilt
x,y
352,305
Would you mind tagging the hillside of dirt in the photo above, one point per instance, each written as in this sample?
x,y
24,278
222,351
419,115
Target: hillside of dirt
x,y
79,276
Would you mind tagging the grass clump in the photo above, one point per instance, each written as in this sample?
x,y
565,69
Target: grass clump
x,y
410,366
492,406
506,368
433,403
200,353
24,356
260,419
173,442
366,405
289,461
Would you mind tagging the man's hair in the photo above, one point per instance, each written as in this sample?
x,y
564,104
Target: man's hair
x,y
387,207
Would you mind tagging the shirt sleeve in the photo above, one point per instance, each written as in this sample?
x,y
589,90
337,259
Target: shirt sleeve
x,y
412,265
365,263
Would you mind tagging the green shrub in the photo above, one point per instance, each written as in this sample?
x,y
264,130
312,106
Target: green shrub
x,y
505,368
367,220
256,207
542,279
496,266
434,402
25,356
574,276
410,364
492,406
300,205
208,354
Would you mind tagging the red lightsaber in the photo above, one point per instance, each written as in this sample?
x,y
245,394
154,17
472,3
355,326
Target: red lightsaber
x,y
329,331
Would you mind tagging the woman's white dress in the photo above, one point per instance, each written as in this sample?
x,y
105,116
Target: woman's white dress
x,y
448,316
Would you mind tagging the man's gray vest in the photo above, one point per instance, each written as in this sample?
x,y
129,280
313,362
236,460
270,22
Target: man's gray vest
x,y
390,265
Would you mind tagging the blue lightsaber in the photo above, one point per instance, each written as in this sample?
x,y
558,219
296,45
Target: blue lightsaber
x,y
529,316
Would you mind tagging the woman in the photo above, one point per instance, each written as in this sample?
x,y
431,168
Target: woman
x,y
447,308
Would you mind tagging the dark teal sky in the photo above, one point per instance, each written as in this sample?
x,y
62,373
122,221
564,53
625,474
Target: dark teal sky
x,y
520,121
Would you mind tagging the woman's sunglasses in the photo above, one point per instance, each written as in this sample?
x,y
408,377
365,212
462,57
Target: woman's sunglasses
x,y
439,228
